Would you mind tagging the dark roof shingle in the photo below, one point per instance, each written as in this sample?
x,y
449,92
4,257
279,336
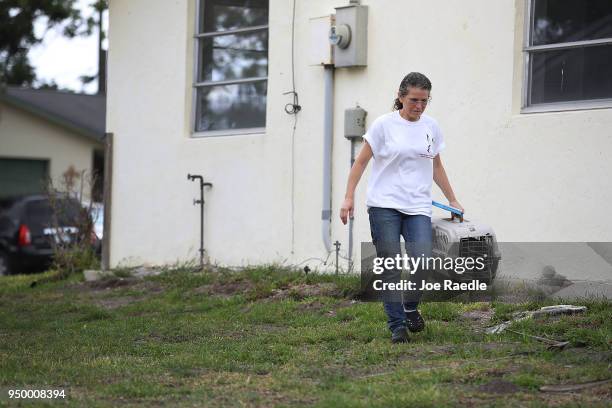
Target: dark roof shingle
x,y
85,114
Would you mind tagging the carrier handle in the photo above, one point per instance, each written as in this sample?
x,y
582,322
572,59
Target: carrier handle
x,y
455,212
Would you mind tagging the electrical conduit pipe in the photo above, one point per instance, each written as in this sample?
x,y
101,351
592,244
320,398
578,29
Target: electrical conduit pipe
x,y
328,131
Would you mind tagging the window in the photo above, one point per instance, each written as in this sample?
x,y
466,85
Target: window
x,y
232,65
569,54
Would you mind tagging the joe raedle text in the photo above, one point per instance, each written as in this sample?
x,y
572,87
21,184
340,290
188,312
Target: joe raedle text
x,y
446,285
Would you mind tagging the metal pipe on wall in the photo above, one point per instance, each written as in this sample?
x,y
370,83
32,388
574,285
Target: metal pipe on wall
x,y
350,243
354,129
328,131
200,202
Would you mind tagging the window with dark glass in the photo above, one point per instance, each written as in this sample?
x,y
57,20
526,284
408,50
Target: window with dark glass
x,y
232,65
569,51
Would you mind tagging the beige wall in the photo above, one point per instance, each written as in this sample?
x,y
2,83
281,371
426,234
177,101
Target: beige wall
x,y
533,177
25,136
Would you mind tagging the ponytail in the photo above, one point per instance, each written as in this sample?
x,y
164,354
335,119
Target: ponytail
x,y
397,105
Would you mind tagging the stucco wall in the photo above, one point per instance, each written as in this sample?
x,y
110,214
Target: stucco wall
x,y
25,136
533,177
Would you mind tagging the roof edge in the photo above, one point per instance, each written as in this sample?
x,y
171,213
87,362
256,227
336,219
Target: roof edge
x,y
56,119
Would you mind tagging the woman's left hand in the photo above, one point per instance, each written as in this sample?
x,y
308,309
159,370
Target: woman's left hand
x,y
455,204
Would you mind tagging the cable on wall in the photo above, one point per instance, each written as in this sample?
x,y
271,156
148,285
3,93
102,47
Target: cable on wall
x,y
293,109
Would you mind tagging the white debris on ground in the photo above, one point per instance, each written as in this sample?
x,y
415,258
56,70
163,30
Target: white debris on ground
x,y
91,275
140,272
546,310
143,271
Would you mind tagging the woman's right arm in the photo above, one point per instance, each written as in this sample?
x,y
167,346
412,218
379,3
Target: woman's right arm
x,y
357,170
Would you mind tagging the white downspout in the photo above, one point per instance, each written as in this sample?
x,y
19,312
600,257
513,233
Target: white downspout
x,y
328,131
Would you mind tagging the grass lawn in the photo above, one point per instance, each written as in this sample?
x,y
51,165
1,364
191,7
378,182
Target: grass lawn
x,y
271,337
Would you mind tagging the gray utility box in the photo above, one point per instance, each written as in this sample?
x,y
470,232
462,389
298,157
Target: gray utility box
x,y
355,54
354,122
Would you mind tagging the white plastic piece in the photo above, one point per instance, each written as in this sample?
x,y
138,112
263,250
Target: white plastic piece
x,y
546,310
321,51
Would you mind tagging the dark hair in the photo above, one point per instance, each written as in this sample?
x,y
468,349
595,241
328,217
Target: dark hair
x,y
412,80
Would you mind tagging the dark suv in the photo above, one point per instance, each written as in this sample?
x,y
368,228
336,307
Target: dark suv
x,y
31,225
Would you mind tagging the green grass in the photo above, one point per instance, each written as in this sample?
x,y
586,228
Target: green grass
x,y
268,336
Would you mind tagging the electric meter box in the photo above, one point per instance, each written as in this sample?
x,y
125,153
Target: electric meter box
x,y
353,54
354,122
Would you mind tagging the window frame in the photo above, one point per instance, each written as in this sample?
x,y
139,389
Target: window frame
x,y
528,50
198,35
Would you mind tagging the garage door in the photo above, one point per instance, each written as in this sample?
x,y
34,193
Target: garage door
x,y
22,176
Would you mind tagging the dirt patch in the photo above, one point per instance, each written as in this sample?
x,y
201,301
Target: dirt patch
x,y
227,289
115,283
110,283
499,387
313,306
104,292
149,287
478,315
478,319
303,290
295,292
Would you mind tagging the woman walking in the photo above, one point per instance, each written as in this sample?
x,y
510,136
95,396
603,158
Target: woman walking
x,y
406,146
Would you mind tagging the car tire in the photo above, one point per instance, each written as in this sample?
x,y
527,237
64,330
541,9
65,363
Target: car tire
x,y
5,265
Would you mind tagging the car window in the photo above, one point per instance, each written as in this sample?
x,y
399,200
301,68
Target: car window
x,y
40,213
6,204
5,223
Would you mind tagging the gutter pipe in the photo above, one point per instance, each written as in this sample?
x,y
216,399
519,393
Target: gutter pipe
x,y
328,131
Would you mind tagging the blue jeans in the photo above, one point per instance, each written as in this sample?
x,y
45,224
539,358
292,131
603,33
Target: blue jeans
x,y
386,226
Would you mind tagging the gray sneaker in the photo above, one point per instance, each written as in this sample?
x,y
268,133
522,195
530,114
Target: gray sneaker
x,y
400,335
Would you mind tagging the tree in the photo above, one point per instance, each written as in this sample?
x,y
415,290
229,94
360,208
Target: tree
x,y
17,35
99,6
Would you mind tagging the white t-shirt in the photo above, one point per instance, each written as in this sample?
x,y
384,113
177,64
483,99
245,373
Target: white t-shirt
x,y
402,171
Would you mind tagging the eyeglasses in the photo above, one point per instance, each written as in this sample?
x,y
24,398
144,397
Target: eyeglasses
x,y
415,101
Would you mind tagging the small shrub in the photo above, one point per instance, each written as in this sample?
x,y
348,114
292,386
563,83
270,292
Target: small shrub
x,y
73,249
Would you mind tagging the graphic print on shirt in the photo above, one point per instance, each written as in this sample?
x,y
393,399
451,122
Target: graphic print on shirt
x,y
430,142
